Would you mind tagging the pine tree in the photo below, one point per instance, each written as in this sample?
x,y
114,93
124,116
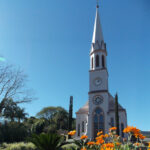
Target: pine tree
x,y
70,121
116,113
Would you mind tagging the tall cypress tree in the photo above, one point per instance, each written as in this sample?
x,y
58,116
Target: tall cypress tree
x,y
70,114
116,113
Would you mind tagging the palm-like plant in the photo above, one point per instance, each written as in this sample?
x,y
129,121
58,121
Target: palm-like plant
x,y
20,114
10,109
46,141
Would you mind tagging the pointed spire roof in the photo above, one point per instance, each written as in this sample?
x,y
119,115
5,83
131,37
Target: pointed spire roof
x,y
98,40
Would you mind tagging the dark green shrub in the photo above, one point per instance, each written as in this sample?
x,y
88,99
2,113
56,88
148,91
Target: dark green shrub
x,y
46,141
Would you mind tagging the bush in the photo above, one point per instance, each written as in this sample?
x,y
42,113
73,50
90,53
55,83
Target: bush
x,y
18,146
13,132
45,141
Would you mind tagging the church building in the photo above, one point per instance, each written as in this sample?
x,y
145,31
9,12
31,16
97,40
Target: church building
x,y
98,114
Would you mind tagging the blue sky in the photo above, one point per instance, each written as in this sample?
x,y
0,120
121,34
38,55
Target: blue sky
x,y
50,41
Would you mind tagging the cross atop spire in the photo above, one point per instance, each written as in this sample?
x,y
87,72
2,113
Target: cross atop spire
x,y
97,6
98,40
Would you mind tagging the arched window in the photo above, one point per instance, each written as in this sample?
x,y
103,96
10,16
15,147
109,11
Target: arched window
x,y
92,62
103,61
82,126
98,120
97,61
122,128
112,122
78,129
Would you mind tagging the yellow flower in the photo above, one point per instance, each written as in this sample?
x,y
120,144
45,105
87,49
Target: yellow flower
x,y
83,137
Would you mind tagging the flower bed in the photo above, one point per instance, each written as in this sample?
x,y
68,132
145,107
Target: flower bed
x,y
112,141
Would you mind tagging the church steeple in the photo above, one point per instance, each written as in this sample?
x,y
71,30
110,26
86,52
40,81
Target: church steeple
x,y
98,40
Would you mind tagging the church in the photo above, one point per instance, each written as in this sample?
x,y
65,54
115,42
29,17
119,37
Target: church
x,y
98,114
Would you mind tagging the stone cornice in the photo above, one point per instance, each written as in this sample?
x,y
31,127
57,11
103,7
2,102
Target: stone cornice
x,y
98,50
98,91
99,70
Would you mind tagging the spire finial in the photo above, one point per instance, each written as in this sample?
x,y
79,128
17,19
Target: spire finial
x,y
97,6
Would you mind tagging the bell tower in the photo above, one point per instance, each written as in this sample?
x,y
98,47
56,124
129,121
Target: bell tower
x,y
98,82
98,62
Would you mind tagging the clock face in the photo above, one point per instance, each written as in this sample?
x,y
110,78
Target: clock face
x,y
97,100
97,81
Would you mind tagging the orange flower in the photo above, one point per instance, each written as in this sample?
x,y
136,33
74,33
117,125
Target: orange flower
x,y
83,148
132,130
99,141
106,135
100,137
90,143
149,144
83,137
72,132
118,144
136,144
141,136
112,129
99,133
108,145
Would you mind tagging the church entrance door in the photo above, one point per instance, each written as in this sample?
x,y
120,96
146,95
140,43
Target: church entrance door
x,y
98,121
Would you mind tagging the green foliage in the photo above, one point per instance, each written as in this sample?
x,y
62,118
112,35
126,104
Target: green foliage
x,y
18,146
12,111
47,113
70,114
70,146
57,118
116,114
12,132
47,141
38,126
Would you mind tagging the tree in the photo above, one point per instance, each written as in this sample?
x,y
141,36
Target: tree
x,y
20,114
70,114
60,118
39,125
70,120
12,85
47,113
12,132
56,116
12,111
9,111
116,114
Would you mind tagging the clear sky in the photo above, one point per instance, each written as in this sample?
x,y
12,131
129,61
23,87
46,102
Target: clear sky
x,y
51,39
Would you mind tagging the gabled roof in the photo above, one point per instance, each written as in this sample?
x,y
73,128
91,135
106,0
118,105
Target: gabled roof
x,y
112,104
84,109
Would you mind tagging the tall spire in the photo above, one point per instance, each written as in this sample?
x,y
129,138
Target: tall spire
x,y
98,40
